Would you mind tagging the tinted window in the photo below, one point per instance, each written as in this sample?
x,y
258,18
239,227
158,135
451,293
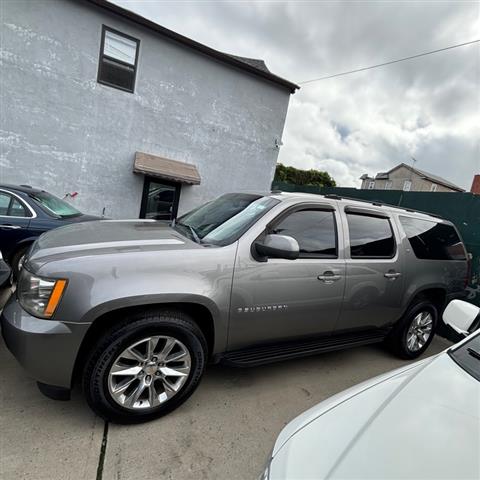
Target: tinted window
x,y
314,230
118,60
370,237
433,241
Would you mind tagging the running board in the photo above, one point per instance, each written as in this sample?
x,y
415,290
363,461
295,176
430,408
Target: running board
x,y
263,354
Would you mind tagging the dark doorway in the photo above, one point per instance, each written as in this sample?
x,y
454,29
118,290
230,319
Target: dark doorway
x,y
160,199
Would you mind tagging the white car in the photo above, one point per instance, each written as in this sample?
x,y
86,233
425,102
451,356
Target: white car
x,y
420,421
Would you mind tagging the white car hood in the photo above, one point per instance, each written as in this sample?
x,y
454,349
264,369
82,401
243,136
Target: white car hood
x,y
422,421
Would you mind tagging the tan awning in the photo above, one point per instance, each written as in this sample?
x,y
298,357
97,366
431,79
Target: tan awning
x,y
160,167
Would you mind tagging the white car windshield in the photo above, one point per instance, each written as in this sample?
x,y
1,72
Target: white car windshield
x,y
467,355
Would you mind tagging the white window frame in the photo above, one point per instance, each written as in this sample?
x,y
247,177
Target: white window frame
x,y
407,185
433,187
371,184
388,185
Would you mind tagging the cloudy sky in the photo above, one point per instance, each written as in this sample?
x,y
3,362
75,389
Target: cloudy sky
x,y
367,122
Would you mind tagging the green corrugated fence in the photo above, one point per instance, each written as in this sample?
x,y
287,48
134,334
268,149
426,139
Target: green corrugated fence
x,y
463,209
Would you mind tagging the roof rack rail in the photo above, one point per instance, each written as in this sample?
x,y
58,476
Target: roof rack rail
x,y
333,196
381,204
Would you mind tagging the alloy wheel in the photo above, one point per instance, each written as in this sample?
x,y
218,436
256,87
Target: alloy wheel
x,y
420,331
149,372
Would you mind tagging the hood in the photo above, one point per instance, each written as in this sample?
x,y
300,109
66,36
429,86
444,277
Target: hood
x,y
103,237
419,422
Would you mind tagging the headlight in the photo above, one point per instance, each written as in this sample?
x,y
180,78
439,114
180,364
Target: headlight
x,y
39,296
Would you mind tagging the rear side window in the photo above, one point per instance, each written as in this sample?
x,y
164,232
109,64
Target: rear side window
x,y
17,209
11,207
4,203
370,237
433,241
314,230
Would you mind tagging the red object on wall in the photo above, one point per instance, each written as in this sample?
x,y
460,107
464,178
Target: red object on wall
x,y
476,185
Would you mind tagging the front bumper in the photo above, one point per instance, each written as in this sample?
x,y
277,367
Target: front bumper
x,y
47,349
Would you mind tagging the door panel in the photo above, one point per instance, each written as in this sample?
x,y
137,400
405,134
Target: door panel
x,y
374,286
284,299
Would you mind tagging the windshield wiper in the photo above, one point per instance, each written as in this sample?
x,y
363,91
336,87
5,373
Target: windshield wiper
x,y
473,353
195,236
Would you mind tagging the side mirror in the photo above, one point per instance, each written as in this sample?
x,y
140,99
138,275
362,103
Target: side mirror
x,y
460,316
277,246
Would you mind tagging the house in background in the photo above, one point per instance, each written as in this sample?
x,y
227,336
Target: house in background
x,y
476,185
409,179
137,119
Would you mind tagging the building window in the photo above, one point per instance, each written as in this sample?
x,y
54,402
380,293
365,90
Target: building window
x,y
371,185
160,199
407,185
117,66
388,185
433,187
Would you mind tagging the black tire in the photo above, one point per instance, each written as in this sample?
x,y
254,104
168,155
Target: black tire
x,y
397,339
134,328
15,262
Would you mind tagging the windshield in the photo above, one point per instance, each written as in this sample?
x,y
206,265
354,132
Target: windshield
x,y
225,219
54,205
467,355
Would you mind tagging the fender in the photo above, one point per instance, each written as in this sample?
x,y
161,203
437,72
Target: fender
x,y
23,242
220,318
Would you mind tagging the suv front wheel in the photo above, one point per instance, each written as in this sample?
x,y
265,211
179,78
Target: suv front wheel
x,y
145,367
414,332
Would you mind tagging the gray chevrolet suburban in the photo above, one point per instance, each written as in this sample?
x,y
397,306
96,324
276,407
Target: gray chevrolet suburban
x,y
136,309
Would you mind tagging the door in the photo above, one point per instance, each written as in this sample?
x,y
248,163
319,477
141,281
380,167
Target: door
x,y
14,222
374,280
160,199
286,299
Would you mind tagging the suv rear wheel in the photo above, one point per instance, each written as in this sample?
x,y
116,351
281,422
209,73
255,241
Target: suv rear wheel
x,y
145,368
414,332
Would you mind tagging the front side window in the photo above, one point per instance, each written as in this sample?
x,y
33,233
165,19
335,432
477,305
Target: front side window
x,y
225,219
314,230
118,60
370,237
54,205
433,241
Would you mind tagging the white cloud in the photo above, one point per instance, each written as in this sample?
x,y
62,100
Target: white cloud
x,y
366,122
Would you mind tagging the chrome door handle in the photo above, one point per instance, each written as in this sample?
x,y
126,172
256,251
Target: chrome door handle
x,y
10,227
329,277
392,275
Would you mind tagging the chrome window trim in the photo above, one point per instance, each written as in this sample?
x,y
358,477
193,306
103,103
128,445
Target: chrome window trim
x,y
23,202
